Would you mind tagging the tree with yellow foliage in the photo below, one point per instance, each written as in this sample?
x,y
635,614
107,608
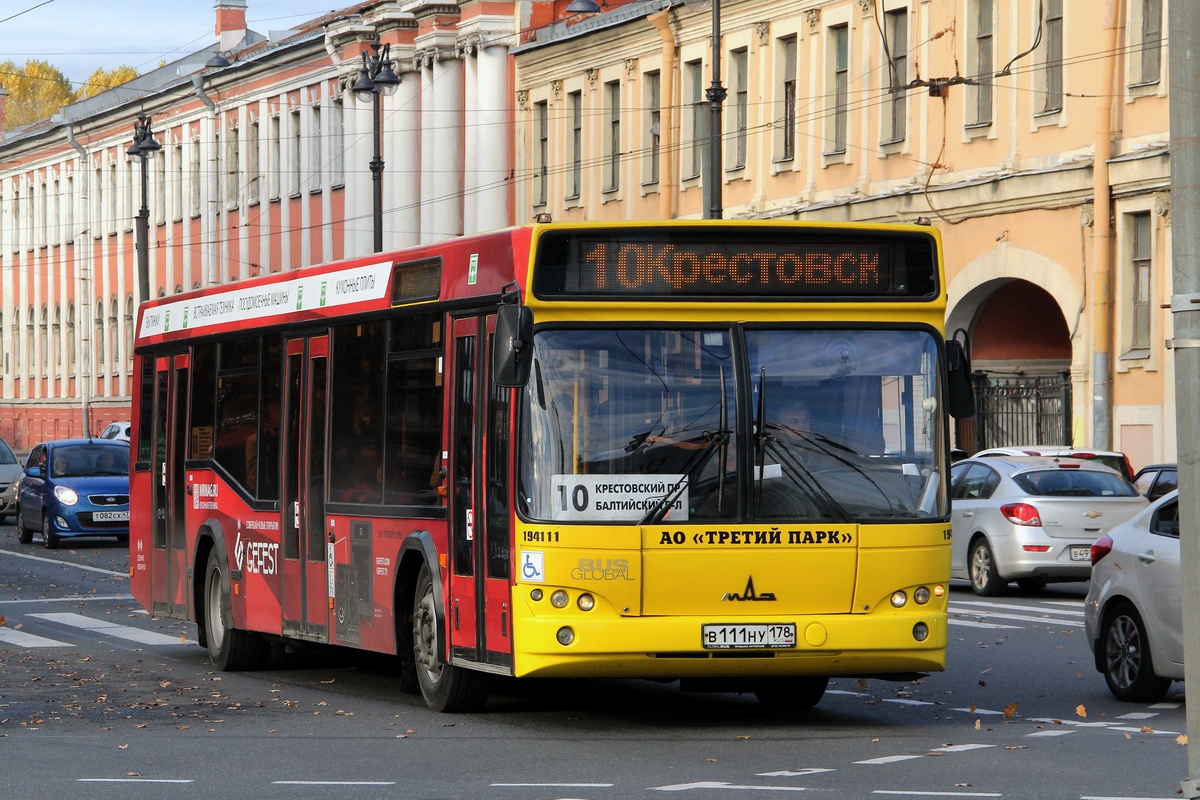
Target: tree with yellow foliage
x,y
102,80
35,91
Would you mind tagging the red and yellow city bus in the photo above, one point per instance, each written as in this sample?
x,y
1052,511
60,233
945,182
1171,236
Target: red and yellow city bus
x,y
707,451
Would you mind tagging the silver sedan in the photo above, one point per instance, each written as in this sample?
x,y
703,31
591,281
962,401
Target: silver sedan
x,y
1134,606
1032,520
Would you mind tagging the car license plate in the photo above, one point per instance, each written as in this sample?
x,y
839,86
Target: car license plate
x,y
727,637
1081,553
110,516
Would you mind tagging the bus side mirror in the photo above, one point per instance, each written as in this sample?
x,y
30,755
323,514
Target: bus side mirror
x,y
960,394
513,353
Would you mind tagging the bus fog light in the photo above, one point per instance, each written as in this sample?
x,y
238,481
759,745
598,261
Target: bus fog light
x,y
921,595
939,590
920,631
535,595
586,602
565,636
899,598
559,599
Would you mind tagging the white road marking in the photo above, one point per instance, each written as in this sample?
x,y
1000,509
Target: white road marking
x,y
972,624
843,691
1049,733
1014,607
1117,797
1166,705
1070,623
936,794
687,787
1072,722
887,760
1128,729
23,639
134,780
1137,715
333,783
794,773
977,711
961,748
552,785
70,599
903,702
64,563
112,629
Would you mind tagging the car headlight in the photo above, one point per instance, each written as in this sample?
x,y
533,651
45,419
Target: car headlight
x,y
66,496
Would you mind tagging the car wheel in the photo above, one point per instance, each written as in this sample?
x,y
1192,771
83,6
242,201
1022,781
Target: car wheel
x,y
791,694
985,580
445,688
24,535
1128,665
49,537
229,649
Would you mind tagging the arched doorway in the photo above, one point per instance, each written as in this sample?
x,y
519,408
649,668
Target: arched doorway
x,y
1021,357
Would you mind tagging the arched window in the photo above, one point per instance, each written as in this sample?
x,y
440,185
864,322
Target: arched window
x,y
114,337
16,339
56,340
98,339
71,339
44,340
129,333
29,342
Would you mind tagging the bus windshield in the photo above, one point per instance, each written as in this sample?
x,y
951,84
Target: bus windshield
x,y
638,425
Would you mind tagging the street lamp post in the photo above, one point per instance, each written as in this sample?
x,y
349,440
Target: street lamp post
x,y
376,78
716,97
144,148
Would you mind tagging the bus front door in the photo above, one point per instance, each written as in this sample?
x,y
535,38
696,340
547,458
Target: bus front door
x,y
479,616
167,474
305,594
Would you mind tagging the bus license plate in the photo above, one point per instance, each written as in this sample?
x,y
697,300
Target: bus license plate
x,y
110,516
1081,553
727,637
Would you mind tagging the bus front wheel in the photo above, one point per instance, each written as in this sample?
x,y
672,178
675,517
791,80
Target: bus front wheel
x,y
445,687
791,694
229,649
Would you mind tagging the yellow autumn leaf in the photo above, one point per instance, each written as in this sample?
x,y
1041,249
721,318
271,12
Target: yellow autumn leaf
x,y
1010,710
1181,739
977,725
1147,729
1080,710
972,707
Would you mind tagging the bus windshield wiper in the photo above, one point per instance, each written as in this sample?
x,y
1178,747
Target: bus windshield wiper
x,y
715,442
802,476
819,443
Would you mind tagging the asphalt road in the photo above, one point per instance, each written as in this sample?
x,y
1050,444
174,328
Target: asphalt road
x,y
107,702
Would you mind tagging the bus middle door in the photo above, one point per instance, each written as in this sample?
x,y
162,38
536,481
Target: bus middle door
x,y
479,617
167,474
303,424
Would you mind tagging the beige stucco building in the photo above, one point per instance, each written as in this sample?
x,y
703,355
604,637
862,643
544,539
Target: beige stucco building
x,y
1033,133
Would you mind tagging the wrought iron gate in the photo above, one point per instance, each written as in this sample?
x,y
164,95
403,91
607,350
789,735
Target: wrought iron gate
x,y
1018,410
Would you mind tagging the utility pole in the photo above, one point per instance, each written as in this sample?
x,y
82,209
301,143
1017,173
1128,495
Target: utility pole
x,y
1184,24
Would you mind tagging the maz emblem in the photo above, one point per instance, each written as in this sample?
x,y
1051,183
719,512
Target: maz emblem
x,y
750,594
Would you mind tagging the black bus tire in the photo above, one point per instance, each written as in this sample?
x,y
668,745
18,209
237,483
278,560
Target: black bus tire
x,y
229,649
446,688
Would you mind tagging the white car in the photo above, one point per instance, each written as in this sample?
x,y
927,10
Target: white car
x,y
1134,606
1109,458
116,430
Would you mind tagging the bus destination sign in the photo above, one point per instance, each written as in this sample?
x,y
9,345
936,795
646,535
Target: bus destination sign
x,y
726,263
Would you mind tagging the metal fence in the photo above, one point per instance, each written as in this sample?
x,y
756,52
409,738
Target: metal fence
x,y
1018,410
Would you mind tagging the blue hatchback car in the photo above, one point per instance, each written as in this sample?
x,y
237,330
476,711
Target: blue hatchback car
x,y
74,487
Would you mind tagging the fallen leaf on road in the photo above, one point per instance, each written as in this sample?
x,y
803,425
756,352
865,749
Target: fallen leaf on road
x,y
1147,729
743,737
972,707
977,725
122,747
1180,739
1080,710
1010,710
711,760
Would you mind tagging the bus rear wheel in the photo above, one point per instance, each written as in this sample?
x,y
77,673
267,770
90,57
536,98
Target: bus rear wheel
x,y
791,694
229,649
445,687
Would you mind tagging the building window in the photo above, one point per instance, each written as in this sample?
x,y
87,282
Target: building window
x,y
575,102
1143,248
71,338
1151,40
693,71
788,94
337,144
159,179
253,176
16,339
274,158
839,82
653,105
1054,55
68,210
983,63
541,123
177,184
111,193
896,31
314,149
232,167
612,156
194,179
294,151
129,333
56,340
741,95
44,340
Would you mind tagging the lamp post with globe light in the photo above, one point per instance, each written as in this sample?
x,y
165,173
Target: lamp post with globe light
x,y
375,79
143,149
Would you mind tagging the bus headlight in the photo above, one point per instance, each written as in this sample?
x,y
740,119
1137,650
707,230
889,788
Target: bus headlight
x,y
559,599
66,496
899,598
565,636
535,595
586,602
921,595
920,631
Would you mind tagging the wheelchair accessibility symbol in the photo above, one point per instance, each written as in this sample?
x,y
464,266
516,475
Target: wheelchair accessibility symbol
x,y
532,567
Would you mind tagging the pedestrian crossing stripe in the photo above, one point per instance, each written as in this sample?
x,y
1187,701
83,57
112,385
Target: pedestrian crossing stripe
x,y
106,628
23,639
